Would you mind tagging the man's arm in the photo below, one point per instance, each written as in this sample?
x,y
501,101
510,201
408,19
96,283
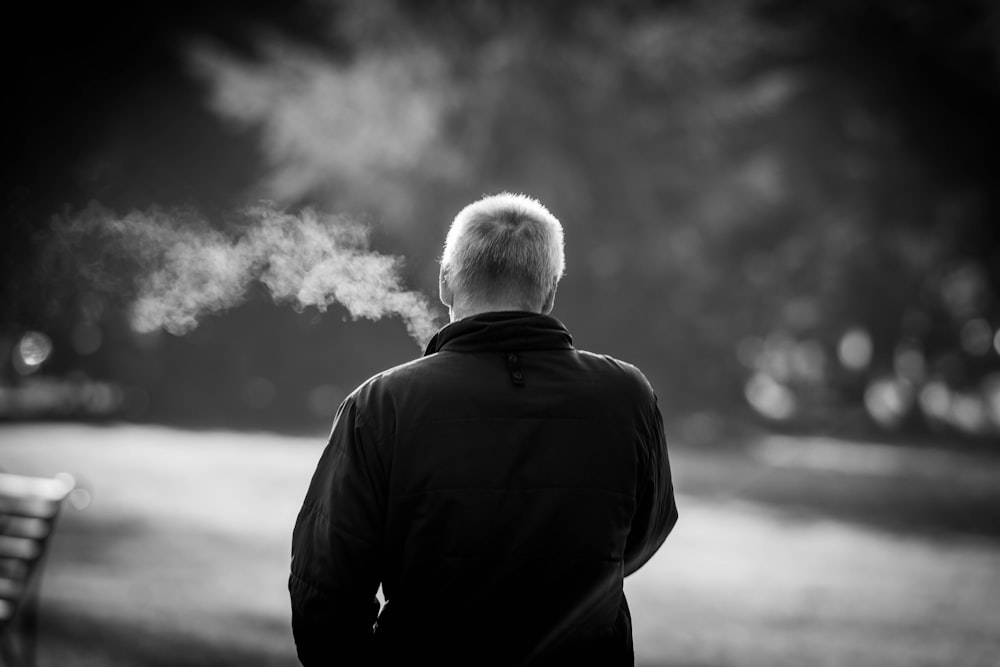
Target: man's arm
x,y
656,510
336,546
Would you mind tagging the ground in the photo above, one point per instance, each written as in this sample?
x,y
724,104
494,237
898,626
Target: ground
x,y
789,551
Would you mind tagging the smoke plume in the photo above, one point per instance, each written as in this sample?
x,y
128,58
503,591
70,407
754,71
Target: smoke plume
x,y
174,267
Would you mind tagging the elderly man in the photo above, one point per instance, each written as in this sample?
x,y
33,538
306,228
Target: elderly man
x,y
499,489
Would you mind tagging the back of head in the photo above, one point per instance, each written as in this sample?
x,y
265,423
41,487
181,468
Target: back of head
x,y
504,249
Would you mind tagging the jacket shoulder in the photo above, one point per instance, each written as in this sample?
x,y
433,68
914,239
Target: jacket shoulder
x,y
626,373
385,381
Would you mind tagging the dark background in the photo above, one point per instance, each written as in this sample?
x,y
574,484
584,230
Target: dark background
x,y
742,185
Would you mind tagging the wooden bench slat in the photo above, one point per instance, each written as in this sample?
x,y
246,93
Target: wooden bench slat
x,y
29,507
48,488
13,568
19,547
43,508
10,589
31,527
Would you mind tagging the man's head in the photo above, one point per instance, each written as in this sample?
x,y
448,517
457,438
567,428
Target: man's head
x,y
503,252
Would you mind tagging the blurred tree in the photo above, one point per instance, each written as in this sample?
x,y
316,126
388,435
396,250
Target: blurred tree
x,y
770,205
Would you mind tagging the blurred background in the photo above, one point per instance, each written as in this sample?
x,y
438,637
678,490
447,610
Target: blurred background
x,y
785,213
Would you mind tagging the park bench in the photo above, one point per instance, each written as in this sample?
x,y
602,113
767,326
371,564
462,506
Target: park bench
x,y
29,508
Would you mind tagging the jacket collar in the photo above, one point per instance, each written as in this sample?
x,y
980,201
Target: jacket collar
x,y
502,331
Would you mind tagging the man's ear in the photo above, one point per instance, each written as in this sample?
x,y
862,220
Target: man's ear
x,y
550,301
446,293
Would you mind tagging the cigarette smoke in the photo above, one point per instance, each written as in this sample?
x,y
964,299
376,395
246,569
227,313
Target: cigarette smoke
x,y
175,267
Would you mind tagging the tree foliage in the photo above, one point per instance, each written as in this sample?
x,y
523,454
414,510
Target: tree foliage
x,y
769,204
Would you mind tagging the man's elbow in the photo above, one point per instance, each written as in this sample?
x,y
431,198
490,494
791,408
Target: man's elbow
x,y
655,539
324,637
672,517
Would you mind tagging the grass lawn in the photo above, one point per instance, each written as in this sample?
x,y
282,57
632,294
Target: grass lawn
x,y
811,553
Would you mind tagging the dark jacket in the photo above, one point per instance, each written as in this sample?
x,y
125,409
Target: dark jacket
x,y
499,488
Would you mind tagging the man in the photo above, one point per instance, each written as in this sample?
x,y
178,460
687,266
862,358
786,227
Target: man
x,y
499,488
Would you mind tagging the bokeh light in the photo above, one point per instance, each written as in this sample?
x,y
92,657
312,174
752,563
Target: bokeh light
x,y
977,336
31,352
855,349
80,498
769,397
969,412
888,400
935,400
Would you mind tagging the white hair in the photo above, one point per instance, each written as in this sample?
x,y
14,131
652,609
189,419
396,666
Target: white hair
x,y
504,247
